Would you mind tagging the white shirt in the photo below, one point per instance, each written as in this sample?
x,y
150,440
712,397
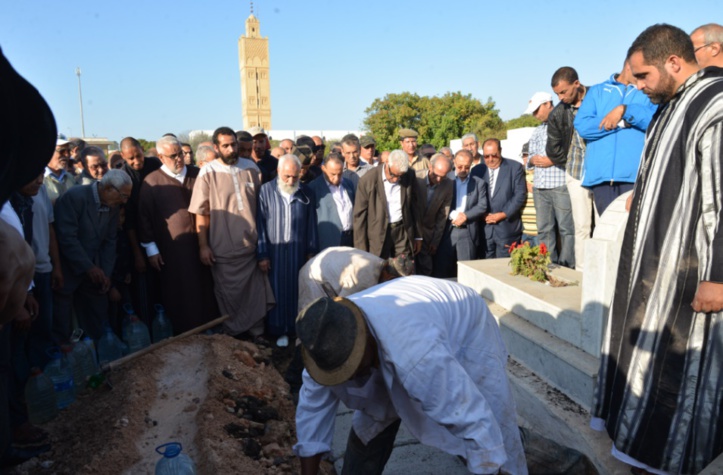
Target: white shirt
x,y
180,176
442,371
461,197
60,178
393,191
493,178
345,269
344,207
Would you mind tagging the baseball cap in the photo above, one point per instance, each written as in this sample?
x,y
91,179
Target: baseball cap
x,y
254,131
537,100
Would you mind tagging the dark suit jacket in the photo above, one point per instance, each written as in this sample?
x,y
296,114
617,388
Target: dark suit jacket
x,y
327,216
85,238
509,196
370,210
436,213
476,206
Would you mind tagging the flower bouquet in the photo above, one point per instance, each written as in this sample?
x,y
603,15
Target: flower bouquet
x,y
530,261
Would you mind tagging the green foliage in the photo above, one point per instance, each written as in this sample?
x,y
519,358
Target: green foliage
x,y
530,261
525,120
437,119
147,144
197,139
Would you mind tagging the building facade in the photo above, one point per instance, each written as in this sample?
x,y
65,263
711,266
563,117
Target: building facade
x,y
253,51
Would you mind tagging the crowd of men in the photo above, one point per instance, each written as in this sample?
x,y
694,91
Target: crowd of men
x,y
226,230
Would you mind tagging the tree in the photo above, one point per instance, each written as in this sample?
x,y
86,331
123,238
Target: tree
x,y
184,137
437,119
146,144
386,116
197,139
525,120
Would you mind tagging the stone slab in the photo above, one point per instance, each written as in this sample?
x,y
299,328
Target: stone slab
x,y
554,309
409,456
602,254
556,417
559,363
418,459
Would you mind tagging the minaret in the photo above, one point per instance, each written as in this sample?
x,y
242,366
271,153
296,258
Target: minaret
x,y
253,53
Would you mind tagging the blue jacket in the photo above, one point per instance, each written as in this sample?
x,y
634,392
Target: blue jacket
x,y
327,217
613,155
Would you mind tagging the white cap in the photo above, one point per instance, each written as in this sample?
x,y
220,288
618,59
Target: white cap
x,y
254,131
537,100
62,140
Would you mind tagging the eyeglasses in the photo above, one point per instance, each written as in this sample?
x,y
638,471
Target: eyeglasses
x,y
701,46
187,152
174,156
492,155
393,175
99,166
63,151
122,195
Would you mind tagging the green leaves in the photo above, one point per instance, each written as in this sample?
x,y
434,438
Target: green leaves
x,y
437,119
530,261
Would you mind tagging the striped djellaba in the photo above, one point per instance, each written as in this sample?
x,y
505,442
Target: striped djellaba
x,y
660,385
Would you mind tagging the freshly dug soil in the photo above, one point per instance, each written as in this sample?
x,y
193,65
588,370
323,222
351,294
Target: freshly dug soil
x,y
221,398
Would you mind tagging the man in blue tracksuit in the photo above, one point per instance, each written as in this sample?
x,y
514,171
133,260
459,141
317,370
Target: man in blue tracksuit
x,y
613,119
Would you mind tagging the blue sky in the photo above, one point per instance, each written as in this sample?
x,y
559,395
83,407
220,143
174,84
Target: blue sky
x,y
157,66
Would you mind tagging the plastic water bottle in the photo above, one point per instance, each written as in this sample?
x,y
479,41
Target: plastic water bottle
x,y
88,342
83,367
162,328
128,314
61,374
137,335
40,397
174,462
76,367
109,347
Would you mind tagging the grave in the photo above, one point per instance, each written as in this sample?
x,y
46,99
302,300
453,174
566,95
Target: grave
x,y
554,335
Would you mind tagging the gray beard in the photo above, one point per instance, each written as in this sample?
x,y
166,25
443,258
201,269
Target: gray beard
x,y
289,190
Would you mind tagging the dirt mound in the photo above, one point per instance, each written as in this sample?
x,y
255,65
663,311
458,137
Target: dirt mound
x,y
220,397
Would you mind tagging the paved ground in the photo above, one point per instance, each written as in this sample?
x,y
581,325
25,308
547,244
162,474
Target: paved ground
x,y
409,455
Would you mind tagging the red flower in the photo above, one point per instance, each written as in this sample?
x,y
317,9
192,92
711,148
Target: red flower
x,y
543,249
513,246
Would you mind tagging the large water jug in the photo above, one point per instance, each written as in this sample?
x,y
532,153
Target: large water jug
x,y
88,342
84,366
109,347
76,366
40,397
162,328
61,374
174,462
137,335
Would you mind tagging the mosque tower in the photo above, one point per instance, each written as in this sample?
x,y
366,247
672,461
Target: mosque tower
x,y
253,54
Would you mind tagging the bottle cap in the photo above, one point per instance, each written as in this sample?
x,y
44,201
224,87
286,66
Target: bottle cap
x,y
169,450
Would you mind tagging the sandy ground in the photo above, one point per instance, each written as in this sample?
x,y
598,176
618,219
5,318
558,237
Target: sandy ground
x,y
221,398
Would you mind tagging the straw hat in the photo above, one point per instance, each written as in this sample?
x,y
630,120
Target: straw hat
x,y
333,336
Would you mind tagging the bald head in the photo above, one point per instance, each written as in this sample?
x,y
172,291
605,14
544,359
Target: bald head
x,y
708,45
